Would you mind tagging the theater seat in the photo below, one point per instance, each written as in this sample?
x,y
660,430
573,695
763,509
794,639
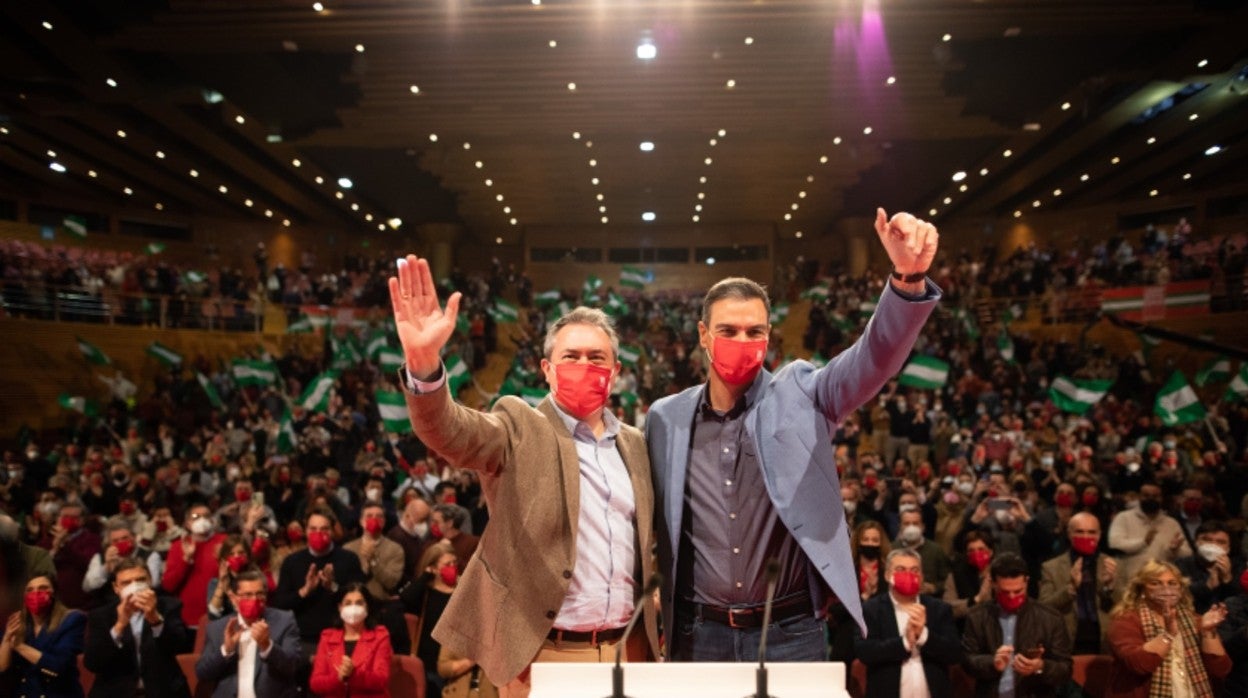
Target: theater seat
x,y
963,683
198,690
1091,671
407,676
85,677
856,681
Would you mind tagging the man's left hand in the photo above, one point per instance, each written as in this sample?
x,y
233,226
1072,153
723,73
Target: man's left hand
x,y
910,242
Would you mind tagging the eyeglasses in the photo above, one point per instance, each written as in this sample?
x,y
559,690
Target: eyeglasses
x,y
252,596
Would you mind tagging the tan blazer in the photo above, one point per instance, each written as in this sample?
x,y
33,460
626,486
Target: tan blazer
x,y
1055,592
515,584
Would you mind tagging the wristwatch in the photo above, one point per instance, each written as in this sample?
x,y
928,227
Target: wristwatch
x,y
909,278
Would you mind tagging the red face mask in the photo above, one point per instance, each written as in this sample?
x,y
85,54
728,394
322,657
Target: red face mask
x,y
449,498
125,546
980,558
870,482
162,525
582,389
1243,581
449,575
1090,499
242,495
925,473
69,523
38,602
236,563
374,526
260,547
1010,603
1191,507
319,542
737,362
906,583
251,609
1084,545
1064,499
435,531
294,535
284,478
126,508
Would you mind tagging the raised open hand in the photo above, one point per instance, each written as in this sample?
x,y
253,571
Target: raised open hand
x,y
423,326
910,242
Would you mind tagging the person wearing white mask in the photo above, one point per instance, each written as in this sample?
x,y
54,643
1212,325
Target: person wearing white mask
x,y
132,647
353,659
937,570
1213,575
192,564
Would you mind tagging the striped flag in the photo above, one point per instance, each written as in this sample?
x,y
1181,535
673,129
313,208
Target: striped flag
x,y
316,397
457,373
779,313
393,410
817,292
75,225
589,289
93,353
558,310
633,277
1005,346
1012,313
502,311
924,372
164,354
1217,370
249,372
1177,402
390,359
376,343
629,354
301,326
154,248
78,403
1077,396
547,297
1238,389
345,355
213,397
194,277
286,437
616,305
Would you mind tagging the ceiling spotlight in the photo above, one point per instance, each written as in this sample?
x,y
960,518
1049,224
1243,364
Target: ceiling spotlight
x,y
1187,176
959,176
239,119
286,222
553,43
355,207
866,131
836,141
931,211
128,191
1115,160
223,189
359,48
1018,214
193,173
722,133
297,162
576,135
891,80
1031,126
698,208
1203,62
368,217
414,89
983,172
1213,150
710,261
798,235
339,195
646,50
696,218
1084,177
647,216
702,179
506,209
160,154
1152,192
701,195
320,179
1007,153
1065,106
605,219
714,142
381,226
708,161
160,206
1193,117
593,181
788,216
749,41
121,134
571,87
646,146
47,25
345,182
248,203
513,221
947,37
962,188
56,167
111,82
318,7
433,138
498,197
489,182
730,84
793,206
395,223
479,164
1057,192
498,241
92,174
1035,204
823,159
801,195
948,200
268,213
1152,140
51,153
593,162
467,145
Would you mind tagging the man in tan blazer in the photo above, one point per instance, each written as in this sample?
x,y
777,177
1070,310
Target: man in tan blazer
x,y
1079,584
556,573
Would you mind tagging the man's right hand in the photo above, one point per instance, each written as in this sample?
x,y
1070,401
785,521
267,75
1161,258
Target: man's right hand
x,y
233,631
1001,659
422,325
125,609
1076,575
310,581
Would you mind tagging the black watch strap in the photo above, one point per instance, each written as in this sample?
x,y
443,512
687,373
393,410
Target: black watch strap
x,y
909,278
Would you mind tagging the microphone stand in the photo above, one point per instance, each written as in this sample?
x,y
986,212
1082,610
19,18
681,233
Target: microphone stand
x,y
617,672
760,675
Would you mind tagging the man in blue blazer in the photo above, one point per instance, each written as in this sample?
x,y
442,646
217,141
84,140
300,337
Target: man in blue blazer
x,y
254,653
911,640
744,471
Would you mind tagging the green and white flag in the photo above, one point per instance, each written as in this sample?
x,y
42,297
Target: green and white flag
x,y
376,343
195,277
78,403
1147,344
250,372
301,326
1012,313
633,277
868,306
389,359
779,313
286,438
558,310
628,398
93,353
1217,370
502,311
1238,389
616,305
629,354
968,322
1177,402
164,354
547,297
533,396
1005,346
457,374
393,410
316,397
345,355
213,397
154,247
1077,396
817,292
924,372
589,289
75,225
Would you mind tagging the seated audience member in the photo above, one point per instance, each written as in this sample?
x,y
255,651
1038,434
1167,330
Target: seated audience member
x,y
1015,646
246,515
426,598
412,533
73,546
310,579
1079,584
128,513
118,545
159,532
18,563
936,565
1212,573
353,659
380,558
1161,647
869,546
132,647
41,644
911,639
254,653
448,522
192,564
971,583
233,557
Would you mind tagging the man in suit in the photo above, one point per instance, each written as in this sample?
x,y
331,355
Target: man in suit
x,y
1079,584
744,469
556,574
1014,646
133,646
254,653
911,640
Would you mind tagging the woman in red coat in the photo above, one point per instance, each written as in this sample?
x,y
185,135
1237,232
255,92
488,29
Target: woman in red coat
x,y
353,659
1160,646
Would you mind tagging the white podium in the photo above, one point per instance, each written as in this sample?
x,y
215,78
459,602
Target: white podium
x,y
684,679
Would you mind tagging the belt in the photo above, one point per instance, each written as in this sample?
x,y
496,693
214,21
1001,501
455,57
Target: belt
x,y
752,616
592,637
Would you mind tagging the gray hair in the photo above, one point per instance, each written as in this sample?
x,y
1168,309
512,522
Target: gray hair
x,y
582,315
737,288
901,552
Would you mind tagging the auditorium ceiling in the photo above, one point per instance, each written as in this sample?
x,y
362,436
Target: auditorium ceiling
x,y
510,115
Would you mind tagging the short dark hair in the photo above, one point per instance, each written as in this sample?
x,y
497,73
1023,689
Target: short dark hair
x,y
250,573
736,288
131,563
1211,526
1007,566
453,514
321,511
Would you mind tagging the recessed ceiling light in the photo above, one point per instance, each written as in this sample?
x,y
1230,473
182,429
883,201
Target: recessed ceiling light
x,y
646,50
646,146
702,179
297,162
647,216
433,138
948,200
286,222
1012,31
381,226
983,172
552,43
749,41
318,7
223,189
395,222
1031,126
801,195
320,179
823,159
121,133
467,145
599,196
489,182
1035,204
947,37
962,188
1187,176
1057,192
355,207
268,213
339,195
1065,106
1084,177
714,142
1115,160
701,195
605,219
498,241
51,153
788,216
1152,192
891,80
959,176
696,218
931,211
697,207
576,135
536,2
160,206
248,203
513,221
498,197
1152,140
793,206
1018,214
47,25
193,173
4,130
111,82
506,209
836,141
368,217
593,181
722,133
810,178
866,131
92,174
128,191
345,182
479,164
708,161
572,86
1193,117
602,209
798,234
1007,153
359,48
593,162
56,166
160,154
414,89
1203,62
1213,150
240,119
730,84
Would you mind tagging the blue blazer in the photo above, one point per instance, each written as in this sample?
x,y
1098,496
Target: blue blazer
x,y
275,675
56,674
790,417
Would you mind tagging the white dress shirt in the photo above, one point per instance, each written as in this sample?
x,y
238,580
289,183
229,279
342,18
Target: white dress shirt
x,y
247,658
913,680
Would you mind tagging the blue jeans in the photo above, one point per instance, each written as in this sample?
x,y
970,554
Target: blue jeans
x,y
797,639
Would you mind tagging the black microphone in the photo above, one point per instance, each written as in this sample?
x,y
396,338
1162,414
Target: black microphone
x,y
773,575
617,672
